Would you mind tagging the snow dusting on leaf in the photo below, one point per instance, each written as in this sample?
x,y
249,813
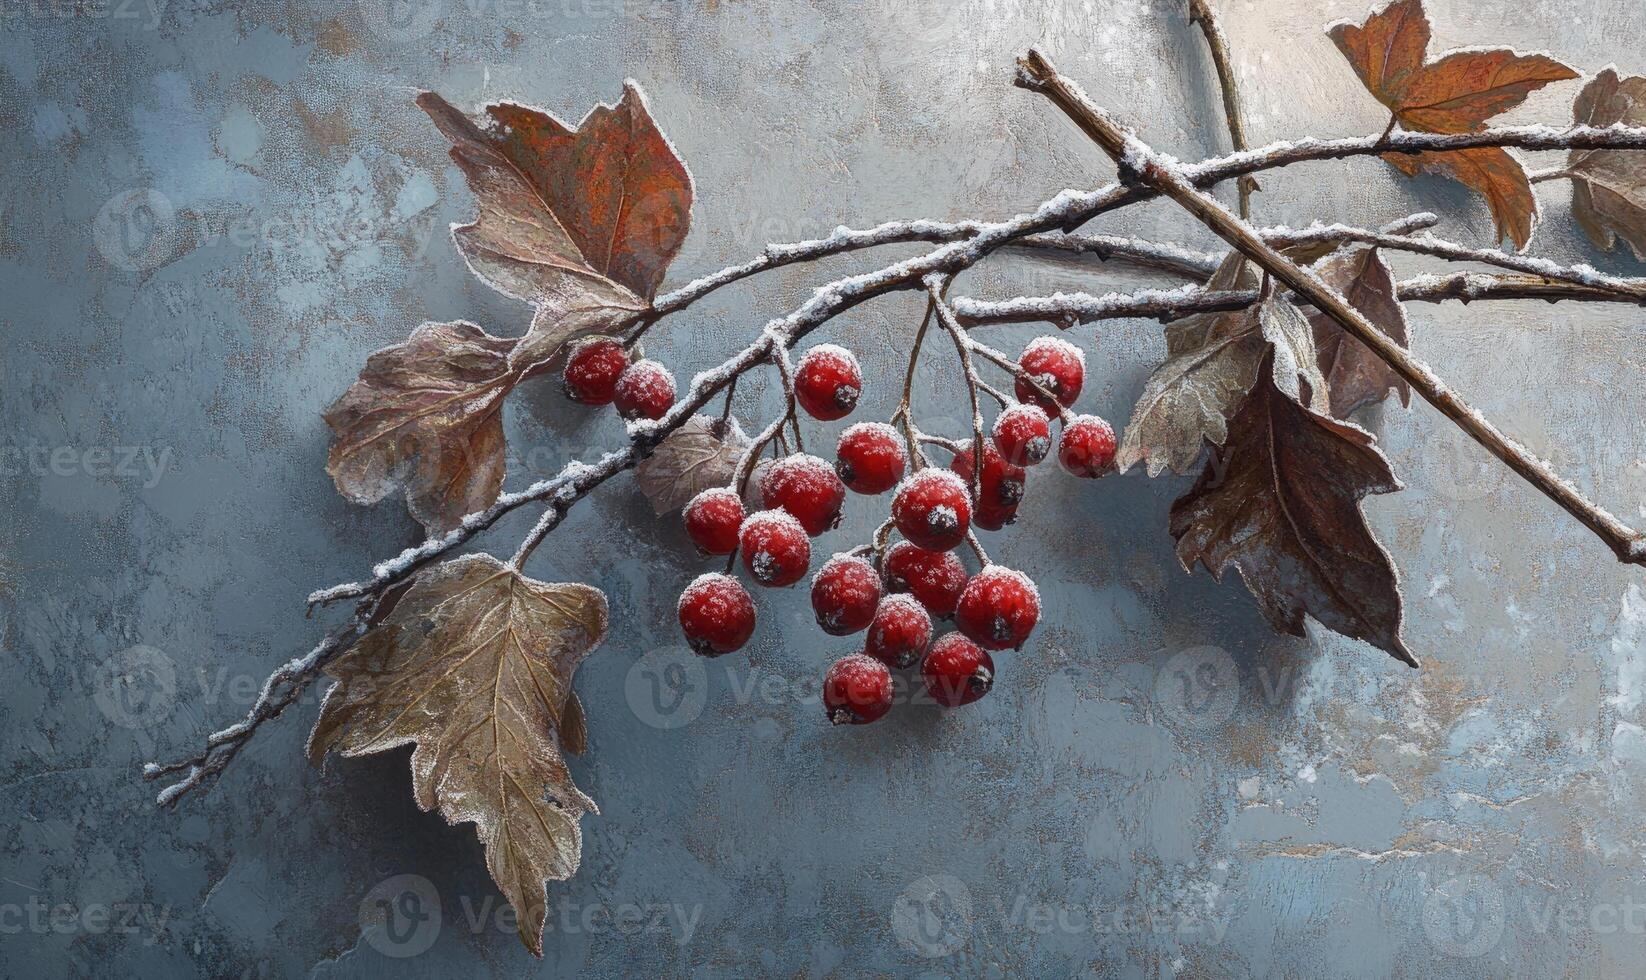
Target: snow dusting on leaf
x,y
701,454
1609,186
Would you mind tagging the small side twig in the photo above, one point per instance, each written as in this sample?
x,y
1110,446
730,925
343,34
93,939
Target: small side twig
x,y
935,288
1200,13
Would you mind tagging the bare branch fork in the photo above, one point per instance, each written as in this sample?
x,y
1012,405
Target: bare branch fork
x,y
1140,162
1050,228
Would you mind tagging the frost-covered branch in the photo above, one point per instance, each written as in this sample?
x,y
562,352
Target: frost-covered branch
x,y
1165,175
1200,13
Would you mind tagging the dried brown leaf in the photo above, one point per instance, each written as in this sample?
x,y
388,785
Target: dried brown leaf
x,y
1609,186
1211,363
582,222
1281,503
474,667
1455,94
426,416
1354,375
701,454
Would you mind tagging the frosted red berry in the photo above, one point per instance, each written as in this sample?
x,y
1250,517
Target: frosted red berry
x,y
775,548
871,457
900,632
716,614
806,487
933,509
1001,491
644,391
1087,446
857,690
934,578
827,382
957,671
1023,434
713,519
845,594
592,371
1059,367
999,608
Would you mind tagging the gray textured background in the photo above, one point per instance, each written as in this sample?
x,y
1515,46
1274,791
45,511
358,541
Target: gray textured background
x,y
1111,809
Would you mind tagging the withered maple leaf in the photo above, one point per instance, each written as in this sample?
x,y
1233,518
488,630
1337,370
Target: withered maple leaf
x,y
1281,503
1456,93
580,221
1609,186
426,416
1354,375
474,668
701,454
1211,363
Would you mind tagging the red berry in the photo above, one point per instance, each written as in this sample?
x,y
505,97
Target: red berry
x,y
1023,434
857,690
827,382
900,633
592,370
933,509
871,457
775,548
957,671
1002,487
717,614
845,592
999,608
934,578
806,487
1087,446
713,519
646,390
1059,367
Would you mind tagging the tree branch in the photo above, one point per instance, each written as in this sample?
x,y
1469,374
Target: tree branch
x,y
1200,12
1163,174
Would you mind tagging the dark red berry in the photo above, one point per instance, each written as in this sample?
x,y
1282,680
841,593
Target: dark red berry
x,y
827,382
1087,446
871,457
592,370
1059,367
957,671
934,578
999,608
775,548
713,519
900,632
857,690
1023,434
845,593
933,509
806,487
1002,488
645,391
717,614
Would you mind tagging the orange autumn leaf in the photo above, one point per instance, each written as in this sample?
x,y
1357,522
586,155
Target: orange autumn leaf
x,y
1456,93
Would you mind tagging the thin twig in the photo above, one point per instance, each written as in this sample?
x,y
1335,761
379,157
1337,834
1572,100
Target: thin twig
x,y
1200,12
1164,175
935,288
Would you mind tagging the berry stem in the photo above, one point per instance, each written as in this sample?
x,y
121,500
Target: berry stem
x,y
936,287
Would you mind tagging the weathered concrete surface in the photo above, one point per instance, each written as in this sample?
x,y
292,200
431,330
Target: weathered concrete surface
x,y
1110,810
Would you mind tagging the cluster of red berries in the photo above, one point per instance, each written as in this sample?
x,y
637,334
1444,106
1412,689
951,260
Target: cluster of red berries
x,y
897,597
599,371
